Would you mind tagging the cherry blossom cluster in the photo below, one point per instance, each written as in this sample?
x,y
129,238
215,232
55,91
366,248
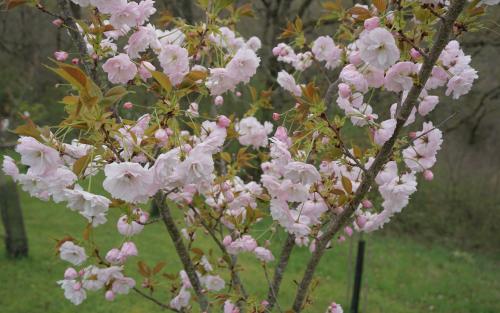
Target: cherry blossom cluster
x,y
225,175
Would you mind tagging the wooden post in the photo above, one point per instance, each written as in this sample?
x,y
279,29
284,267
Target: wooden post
x,y
16,241
358,276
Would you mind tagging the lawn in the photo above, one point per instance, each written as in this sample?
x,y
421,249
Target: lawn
x,y
401,276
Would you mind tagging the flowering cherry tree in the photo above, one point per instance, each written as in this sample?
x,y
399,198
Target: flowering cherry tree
x,y
334,163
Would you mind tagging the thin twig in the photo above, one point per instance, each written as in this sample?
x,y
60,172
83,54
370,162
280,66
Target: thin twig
x,y
154,300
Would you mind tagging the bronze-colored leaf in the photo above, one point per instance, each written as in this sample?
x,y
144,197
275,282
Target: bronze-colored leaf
x,y
163,80
381,5
81,164
346,183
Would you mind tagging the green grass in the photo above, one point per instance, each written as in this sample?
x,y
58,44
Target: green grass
x,y
401,276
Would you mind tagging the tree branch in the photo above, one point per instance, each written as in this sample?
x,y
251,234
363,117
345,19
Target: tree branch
x,y
182,252
75,35
231,262
274,288
442,37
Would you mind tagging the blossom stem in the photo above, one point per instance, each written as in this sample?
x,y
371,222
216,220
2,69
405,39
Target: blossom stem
x,y
162,305
441,39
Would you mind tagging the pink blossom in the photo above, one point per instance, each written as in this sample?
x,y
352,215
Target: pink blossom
x,y
120,69
128,181
128,105
344,90
324,49
61,56
109,295
378,48
243,65
461,84
70,273
384,132
129,249
427,104
41,158
9,167
57,22
72,253
218,101
145,70
287,82
128,228
73,291
175,62
399,76
223,121
334,308
428,175
372,23
144,11
352,77
143,38
263,254
253,133
124,15
367,204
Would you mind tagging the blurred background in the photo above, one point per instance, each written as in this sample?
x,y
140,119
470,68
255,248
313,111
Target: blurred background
x,y
441,254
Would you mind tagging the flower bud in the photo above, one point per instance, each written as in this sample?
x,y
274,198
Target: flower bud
x,y
361,221
114,256
372,23
348,231
281,134
161,135
129,249
344,90
341,239
61,56
225,186
128,105
219,100
238,94
355,58
227,240
276,116
57,22
276,51
109,295
428,175
75,61
70,273
229,196
367,204
223,121
414,53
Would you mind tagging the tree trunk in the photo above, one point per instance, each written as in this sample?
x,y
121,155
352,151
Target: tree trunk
x,y
16,241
